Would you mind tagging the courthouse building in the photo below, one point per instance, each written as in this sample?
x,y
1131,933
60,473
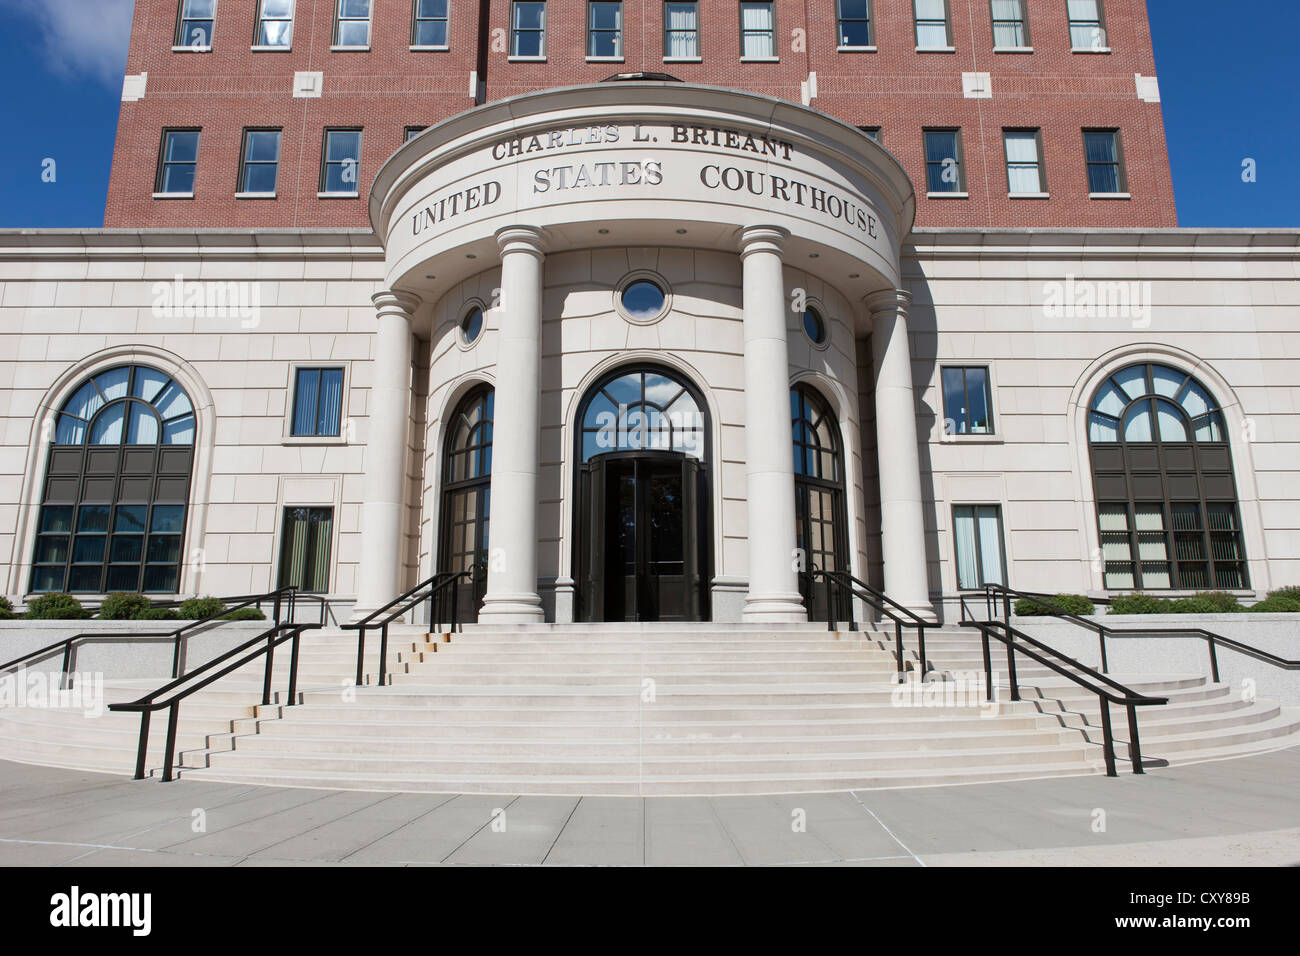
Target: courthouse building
x,y
644,309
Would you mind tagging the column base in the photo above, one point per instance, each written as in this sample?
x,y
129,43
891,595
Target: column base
x,y
511,609
924,610
778,609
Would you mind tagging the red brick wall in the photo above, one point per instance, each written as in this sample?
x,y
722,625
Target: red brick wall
x,y
391,87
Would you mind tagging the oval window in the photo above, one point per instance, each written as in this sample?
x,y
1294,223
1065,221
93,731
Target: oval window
x,y
472,325
814,326
643,300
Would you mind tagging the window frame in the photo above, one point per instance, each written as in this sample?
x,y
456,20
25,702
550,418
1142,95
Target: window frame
x,y
619,34
1028,43
337,41
873,133
667,33
974,507
160,174
965,368
296,383
517,31
1038,160
178,36
410,132
771,9
839,31
1121,172
960,191
323,192
1100,23
416,20
947,30
244,160
281,558
261,18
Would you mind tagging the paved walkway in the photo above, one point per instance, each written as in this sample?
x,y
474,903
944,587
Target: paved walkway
x,y
1237,812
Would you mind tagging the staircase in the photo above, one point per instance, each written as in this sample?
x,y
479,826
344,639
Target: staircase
x,y
649,710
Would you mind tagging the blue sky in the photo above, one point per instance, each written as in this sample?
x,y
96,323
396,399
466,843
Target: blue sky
x,y
1228,85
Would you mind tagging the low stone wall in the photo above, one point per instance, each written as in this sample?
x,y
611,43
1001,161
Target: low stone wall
x,y
1276,633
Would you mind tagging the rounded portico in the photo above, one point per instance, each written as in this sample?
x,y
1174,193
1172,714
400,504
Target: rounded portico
x,y
652,283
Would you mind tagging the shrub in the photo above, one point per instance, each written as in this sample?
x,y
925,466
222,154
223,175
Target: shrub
x,y
6,609
1137,604
1206,602
56,606
1291,593
1070,603
1276,603
195,609
124,606
158,614
244,614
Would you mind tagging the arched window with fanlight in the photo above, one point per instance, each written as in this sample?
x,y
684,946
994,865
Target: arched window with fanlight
x,y
820,517
1167,509
116,495
466,494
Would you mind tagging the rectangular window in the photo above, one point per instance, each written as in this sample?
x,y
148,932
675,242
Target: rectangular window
x,y
194,22
977,530
528,28
605,29
681,31
305,549
757,31
1010,28
275,23
873,132
430,26
177,162
340,161
1105,167
943,165
318,402
411,132
1087,26
854,23
260,162
932,25
967,401
1024,168
352,23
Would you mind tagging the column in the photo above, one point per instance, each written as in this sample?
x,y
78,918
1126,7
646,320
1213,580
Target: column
x,y
902,516
512,547
769,466
382,523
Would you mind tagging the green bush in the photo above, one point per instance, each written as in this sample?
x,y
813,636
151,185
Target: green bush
x,y
1137,604
244,614
158,614
1070,603
124,606
1276,603
56,606
1291,593
196,609
1206,602
6,609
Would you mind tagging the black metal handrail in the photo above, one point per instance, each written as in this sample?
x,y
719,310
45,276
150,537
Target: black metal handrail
x,y
842,582
1212,639
255,648
177,636
432,590
1104,687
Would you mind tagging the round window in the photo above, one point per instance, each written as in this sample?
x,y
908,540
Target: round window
x,y
814,326
643,300
472,325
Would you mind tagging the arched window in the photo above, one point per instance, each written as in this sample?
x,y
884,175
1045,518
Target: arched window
x,y
117,489
642,410
466,492
820,517
1162,475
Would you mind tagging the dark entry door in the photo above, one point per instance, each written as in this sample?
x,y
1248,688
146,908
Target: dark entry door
x,y
642,556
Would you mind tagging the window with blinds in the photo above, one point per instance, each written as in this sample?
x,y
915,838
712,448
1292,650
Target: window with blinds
x,y
318,402
757,31
305,549
1024,167
681,31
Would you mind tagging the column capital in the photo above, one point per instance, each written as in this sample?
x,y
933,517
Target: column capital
x,y
888,300
529,239
762,239
391,302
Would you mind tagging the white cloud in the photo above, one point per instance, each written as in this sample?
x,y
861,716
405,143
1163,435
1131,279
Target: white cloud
x,y
80,37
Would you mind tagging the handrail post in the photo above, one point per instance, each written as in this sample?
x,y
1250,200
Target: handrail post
x,y
1134,748
1011,665
293,669
455,605
275,609
144,745
169,754
383,653
1105,663
361,652
830,601
1214,659
853,622
67,664
1108,738
898,647
270,665
176,655
988,665
1006,611
920,639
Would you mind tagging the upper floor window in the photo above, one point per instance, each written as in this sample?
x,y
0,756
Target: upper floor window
x,y
1024,167
854,23
943,165
318,402
1087,24
275,23
977,532
194,23
757,31
528,29
1105,164
605,29
352,23
340,161
1010,27
430,26
260,162
872,132
967,402
932,25
681,31
177,162
411,132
